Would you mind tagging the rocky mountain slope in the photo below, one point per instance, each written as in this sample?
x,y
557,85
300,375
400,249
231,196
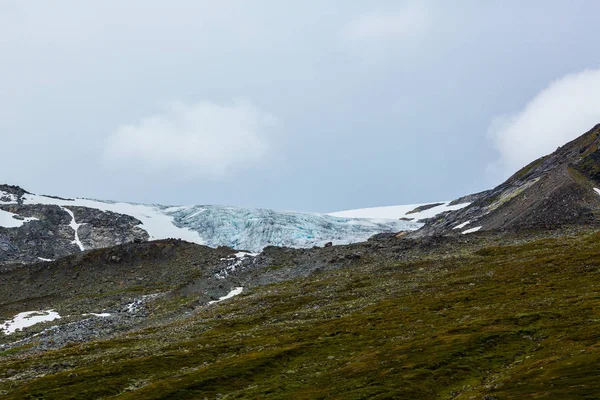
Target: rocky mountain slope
x,y
560,189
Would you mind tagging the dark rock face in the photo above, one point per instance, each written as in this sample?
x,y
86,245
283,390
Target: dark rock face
x,y
12,193
101,229
424,207
554,191
50,235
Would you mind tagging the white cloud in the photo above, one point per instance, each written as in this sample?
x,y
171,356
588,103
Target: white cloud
x,y
561,112
410,21
198,140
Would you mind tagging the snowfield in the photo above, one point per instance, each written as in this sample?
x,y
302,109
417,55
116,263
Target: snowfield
x,y
397,212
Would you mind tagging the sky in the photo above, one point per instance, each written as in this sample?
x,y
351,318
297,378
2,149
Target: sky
x,y
314,105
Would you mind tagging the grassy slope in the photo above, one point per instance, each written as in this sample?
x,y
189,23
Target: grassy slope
x,y
508,322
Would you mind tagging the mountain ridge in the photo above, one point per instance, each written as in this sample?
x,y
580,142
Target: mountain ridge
x,y
553,191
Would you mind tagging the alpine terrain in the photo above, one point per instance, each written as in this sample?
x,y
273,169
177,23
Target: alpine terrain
x,y
495,295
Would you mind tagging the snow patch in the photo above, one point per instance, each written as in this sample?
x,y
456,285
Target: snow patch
x,y
472,230
137,304
101,315
75,226
460,226
242,254
5,195
229,295
45,259
8,220
597,190
237,259
27,319
397,212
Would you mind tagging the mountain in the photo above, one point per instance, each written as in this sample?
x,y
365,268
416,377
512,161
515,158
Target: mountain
x,y
555,191
507,313
436,317
40,228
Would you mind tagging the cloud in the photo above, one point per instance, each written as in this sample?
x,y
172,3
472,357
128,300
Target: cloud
x,y
199,140
561,112
411,21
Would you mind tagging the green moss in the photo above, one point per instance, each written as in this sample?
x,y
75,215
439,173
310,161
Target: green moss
x,y
523,172
517,321
274,267
14,350
589,166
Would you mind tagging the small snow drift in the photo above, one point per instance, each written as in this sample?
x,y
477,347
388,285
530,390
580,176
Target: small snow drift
x,y
460,226
236,291
472,230
27,319
10,220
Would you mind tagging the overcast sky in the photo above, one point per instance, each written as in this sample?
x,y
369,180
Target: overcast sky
x,y
317,105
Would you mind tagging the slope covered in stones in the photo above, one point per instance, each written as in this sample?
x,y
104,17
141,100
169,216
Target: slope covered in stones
x,y
460,318
553,191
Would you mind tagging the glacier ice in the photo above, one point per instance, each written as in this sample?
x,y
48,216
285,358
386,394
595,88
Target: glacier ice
x,y
236,227
254,229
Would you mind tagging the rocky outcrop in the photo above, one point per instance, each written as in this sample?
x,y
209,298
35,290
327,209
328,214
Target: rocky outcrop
x,y
424,207
12,193
48,233
101,229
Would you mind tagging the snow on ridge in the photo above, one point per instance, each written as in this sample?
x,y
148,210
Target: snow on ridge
x,y
158,224
397,212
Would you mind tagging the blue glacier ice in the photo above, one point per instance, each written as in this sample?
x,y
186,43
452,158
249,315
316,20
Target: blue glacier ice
x,y
254,229
236,227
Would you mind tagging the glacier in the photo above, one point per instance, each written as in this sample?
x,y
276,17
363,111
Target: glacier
x,y
254,229
243,228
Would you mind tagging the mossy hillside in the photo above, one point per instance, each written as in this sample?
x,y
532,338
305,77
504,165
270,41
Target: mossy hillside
x,y
520,321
